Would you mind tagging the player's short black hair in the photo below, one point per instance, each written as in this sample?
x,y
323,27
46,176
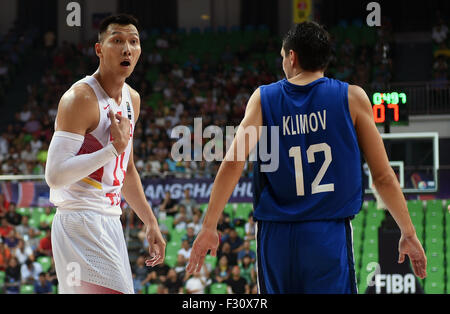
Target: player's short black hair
x,y
311,42
120,19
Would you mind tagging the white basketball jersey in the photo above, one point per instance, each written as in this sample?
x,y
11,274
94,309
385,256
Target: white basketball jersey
x,y
100,191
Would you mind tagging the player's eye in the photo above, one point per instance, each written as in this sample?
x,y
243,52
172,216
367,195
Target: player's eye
x,y
117,41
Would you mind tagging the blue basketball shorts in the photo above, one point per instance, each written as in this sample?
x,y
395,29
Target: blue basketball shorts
x,y
305,257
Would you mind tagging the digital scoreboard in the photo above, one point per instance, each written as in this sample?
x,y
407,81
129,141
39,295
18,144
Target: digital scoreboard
x,y
390,107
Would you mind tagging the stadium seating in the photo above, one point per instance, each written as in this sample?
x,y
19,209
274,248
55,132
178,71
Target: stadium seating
x,y
211,261
151,289
26,289
218,288
45,261
177,234
2,280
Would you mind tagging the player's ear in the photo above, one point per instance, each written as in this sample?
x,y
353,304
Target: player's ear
x,y
98,49
292,57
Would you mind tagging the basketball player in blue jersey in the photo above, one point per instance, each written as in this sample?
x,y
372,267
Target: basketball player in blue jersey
x,y
304,208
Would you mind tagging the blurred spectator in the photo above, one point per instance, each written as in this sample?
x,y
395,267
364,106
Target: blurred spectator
x,y
185,250
161,289
236,243
3,206
30,271
236,283
443,51
22,252
246,251
189,236
440,65
33,239
224,223
12,216
11,241
250,228
196,284
439,32
248,269
51,274
222,270
180,266
5,255
24,227
154,57
46,218
42,285
181,219
5,227
168,205
12,276
196,223
158,273
173,283
225,249
45,244
4,145
188,202
140,274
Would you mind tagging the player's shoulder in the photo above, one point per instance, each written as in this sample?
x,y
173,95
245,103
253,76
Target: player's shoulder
x,y
356,92
79,96
274,85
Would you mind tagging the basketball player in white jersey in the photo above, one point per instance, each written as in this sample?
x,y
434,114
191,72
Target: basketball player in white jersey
x,y
90,166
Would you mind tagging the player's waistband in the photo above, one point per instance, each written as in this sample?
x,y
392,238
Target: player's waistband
x,y
113,212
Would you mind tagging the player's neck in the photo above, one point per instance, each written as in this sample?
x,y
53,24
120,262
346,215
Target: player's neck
x,y
301,77
111,84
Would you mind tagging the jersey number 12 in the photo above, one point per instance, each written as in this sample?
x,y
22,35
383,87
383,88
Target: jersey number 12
x,y
316,187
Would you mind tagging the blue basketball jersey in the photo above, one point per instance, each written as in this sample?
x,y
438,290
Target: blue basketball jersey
x,y
319,172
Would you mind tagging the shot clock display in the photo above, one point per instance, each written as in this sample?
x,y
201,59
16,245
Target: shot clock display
x,y
390,106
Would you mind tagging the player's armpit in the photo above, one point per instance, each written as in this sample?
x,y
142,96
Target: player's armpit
x,y
78,111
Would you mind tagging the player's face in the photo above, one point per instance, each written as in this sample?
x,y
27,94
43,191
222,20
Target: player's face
x,y
120,49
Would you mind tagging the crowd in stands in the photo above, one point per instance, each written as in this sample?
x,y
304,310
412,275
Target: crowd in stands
x,y
26,263
179,77
441,53
233,268
15,45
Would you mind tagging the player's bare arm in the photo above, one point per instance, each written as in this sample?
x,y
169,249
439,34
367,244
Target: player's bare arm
x,y
78,114
384,178
227,177
134,195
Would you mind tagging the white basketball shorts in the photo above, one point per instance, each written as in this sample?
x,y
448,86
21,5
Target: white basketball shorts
x,y
90,253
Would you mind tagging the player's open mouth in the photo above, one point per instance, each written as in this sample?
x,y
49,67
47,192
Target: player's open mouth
x,y
125,63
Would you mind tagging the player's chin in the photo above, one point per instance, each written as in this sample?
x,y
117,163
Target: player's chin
x,y
125,71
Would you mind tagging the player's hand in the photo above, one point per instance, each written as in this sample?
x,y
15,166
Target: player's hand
x,y
207,239
156,245
411,246
120,131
